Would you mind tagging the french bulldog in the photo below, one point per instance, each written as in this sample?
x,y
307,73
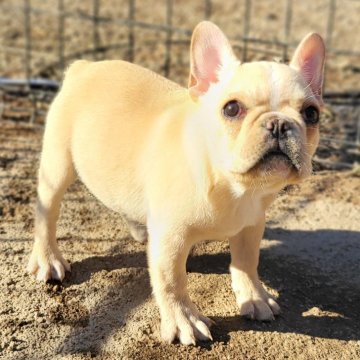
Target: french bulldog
x,y
183,165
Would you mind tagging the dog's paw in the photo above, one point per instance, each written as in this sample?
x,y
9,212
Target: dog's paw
x,y
47,263
183,321
255,303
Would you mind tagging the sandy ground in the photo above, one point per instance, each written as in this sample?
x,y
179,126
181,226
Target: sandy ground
x,y
310,260
310,255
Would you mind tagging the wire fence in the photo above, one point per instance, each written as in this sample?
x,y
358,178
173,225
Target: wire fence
x,y
37,81
245,42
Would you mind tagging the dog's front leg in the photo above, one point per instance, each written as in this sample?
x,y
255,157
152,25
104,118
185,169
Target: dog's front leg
x,y
179,316
251,297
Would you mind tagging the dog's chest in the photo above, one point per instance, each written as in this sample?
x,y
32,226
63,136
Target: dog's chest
x,y
226,219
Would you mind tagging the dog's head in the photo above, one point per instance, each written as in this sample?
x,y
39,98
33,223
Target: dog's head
x,y
261,118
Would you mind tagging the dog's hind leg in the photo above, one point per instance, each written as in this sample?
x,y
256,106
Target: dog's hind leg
x,y
56,173
138,231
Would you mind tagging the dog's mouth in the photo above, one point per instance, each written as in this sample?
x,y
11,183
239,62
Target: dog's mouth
x,y
277,159
275,154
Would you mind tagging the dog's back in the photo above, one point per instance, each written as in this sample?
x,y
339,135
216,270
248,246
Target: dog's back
x,y
116,101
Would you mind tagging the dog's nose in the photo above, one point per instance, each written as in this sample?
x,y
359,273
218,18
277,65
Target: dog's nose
x,y
279,128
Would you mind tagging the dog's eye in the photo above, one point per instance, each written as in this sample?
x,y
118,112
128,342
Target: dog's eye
x,y
233,109
311,115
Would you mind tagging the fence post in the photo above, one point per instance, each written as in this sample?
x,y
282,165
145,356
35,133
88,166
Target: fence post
x,y
358,131
96,37
329,31
61,23
169,13
27,29
288,19
330,23
246,28
28,50
208,9
131,37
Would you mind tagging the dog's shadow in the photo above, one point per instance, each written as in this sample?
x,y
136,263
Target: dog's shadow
x,y
313,303
126,287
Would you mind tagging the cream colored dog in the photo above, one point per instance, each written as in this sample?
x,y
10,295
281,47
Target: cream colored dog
x,y
183,165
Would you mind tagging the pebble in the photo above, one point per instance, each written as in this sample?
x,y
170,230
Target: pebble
x,y
40,320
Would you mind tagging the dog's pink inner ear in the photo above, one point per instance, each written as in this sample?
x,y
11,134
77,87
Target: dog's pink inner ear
x,y
210,50
309,59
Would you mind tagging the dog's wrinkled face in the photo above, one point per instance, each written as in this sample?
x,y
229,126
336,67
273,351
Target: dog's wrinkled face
x,y
272,122
264,115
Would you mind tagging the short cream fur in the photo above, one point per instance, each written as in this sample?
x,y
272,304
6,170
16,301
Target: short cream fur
x,y
176,167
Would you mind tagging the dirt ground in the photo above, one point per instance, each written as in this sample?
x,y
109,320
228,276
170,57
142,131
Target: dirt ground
x,y
310,256
310,260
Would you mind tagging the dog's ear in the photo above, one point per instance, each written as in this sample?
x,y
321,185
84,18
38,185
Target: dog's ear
x,y
309,59
210,51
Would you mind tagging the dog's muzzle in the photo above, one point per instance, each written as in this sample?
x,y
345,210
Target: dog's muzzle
x,y
282,142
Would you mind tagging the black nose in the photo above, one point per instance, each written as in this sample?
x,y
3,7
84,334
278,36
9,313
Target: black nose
x,y
279,128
